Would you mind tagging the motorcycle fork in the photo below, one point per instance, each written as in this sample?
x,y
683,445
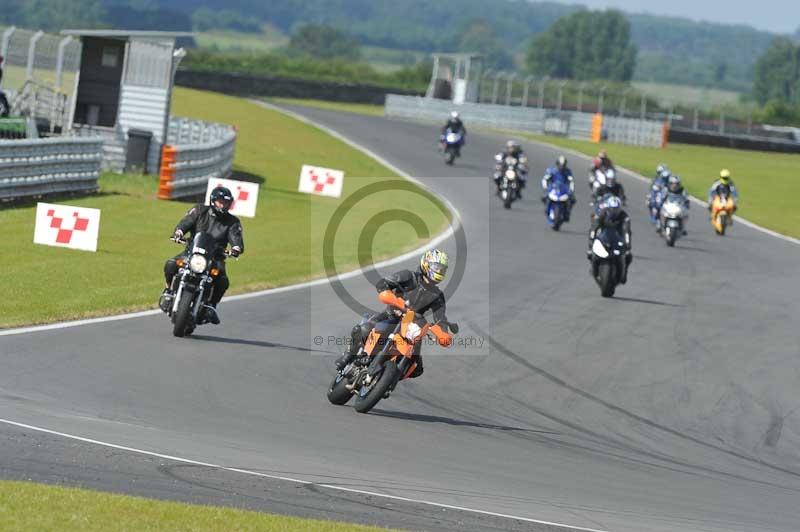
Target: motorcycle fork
x,y
198,299
178,295
379,359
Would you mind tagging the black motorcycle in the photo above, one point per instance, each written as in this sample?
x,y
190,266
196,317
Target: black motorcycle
x,y
608,260
510,181
192,285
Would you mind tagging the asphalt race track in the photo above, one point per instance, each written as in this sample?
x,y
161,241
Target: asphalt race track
x,y
670,407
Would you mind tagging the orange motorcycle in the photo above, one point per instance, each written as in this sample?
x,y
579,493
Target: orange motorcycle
x,y
386,356
722,208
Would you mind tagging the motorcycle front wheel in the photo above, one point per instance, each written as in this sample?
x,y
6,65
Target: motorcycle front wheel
x,y
605,279
369,396
670,235
182,318
723,223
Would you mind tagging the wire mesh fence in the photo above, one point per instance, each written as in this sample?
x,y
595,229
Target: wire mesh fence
x,y
621,100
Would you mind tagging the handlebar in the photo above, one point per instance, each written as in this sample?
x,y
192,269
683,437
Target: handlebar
x,y
227,253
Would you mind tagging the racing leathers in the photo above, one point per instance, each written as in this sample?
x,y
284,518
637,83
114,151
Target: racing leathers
x,y
501,166
559,175
618,220
224,228
615,189
420,294
719,187
456,126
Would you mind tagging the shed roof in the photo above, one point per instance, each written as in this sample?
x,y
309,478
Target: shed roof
x,y
128,34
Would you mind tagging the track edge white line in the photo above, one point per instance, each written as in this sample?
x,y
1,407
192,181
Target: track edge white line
x,y
288,479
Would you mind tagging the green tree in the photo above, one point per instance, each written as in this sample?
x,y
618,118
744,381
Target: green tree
x,y
479,36
56,15
777,75
585,45
324,42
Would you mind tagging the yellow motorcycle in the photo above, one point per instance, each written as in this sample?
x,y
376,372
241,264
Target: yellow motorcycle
x,y
722,208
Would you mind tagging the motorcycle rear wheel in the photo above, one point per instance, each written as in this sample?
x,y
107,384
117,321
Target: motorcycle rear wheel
x,y
387,379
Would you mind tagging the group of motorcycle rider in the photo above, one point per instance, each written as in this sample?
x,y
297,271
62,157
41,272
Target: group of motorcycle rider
x,y
419,289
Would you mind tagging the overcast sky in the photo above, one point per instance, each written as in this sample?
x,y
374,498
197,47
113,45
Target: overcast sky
x,y
781,16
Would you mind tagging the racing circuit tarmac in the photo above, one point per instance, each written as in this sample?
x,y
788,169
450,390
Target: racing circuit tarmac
x,y
670,407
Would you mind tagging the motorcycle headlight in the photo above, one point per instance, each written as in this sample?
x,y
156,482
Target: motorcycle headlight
x,y
672,210
511,174
452,138
599,250
198,263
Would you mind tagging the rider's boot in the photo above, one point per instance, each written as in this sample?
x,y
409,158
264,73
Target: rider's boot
x,y
165,300
210,313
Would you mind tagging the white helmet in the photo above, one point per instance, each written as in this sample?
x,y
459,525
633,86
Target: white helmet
x,y
453,115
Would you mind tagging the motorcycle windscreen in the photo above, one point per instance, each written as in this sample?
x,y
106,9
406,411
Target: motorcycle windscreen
x,y
612,239
204,244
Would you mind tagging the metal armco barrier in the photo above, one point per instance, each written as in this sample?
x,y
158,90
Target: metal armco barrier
x,y
635,131
49,166
575,125
186,168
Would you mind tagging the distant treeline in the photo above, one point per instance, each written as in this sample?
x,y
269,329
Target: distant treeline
x,y
414,78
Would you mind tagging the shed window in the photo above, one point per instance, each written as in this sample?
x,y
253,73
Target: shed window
x,y
110,56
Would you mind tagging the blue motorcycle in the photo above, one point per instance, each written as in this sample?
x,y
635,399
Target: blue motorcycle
x,y
451,143
557,205
654,200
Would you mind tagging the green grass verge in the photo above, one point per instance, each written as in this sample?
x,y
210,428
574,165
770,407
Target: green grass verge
x,y
358,108
28,506
283,243
767,182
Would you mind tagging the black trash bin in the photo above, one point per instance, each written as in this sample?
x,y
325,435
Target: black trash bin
x,y
138,147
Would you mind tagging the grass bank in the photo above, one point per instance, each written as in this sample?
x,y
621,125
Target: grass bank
x,y
283,243
27,506
767,182
344,107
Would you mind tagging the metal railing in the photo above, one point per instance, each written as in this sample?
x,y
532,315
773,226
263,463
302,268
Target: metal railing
x,y
39,74
197,151
570,124
39,167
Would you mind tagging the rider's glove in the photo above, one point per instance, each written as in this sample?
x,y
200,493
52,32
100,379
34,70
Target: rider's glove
x,y
236,251
178,235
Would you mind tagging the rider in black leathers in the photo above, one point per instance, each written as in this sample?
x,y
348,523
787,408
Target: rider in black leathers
x,y
612,187
420,291
225,228
609,213
455,125
512,149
